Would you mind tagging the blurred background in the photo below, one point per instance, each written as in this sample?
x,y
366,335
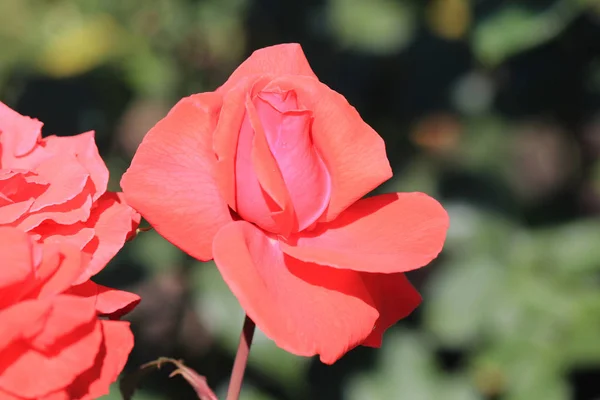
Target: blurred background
x,y
491,106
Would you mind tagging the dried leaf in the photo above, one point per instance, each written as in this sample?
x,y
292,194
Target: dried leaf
x,y
130,383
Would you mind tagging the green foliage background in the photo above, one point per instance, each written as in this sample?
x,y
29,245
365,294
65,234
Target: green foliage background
x,y
491,106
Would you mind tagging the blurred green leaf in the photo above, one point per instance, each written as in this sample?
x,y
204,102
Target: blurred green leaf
x,y
582,346
477,233
406,369
519,369
151,249
485,146
418,176
376,26
150,73
516,28
83,44
461,299
572,249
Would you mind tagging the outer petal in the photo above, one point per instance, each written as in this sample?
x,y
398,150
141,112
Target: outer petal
x,y
68,315
83,147
171,182
305,308
226,137
116,346
395,232
8,396
67,179
12,212
72,211
282,59
17,263
352,151
61,264
31,373
110,302
112,221
18,134
395,299
67,199
26,316
58,395
76,234
18,191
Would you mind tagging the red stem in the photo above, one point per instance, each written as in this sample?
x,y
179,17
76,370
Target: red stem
x,y
241,359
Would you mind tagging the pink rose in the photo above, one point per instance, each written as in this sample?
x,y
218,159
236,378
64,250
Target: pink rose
x,y
53,345
54,188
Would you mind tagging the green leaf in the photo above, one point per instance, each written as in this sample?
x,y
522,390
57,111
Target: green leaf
x,y
83,44
572,249
461,298
153,250
152,74
582,345
514,29
522,370
476,233
418,176
405,370
375,26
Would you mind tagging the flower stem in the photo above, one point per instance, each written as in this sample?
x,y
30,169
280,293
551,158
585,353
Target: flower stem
x,y
241,359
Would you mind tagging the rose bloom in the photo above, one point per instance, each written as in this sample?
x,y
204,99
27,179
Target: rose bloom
x,y
53,346
55,189
266,176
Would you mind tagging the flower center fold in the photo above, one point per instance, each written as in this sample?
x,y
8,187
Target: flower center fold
x,y
282,184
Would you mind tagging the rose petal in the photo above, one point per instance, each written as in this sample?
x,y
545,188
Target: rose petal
x,y
287,129
109,302
18,189
77,234
18,134
68,197
83,147
305,308
58,395
170,180
17,264
67,180
26,316
261,194
394,232
8,396
113,354
253,74
67,315
282,59
62,263
71,212
112,222
226,135
394,297
352,151
12,212
29,373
